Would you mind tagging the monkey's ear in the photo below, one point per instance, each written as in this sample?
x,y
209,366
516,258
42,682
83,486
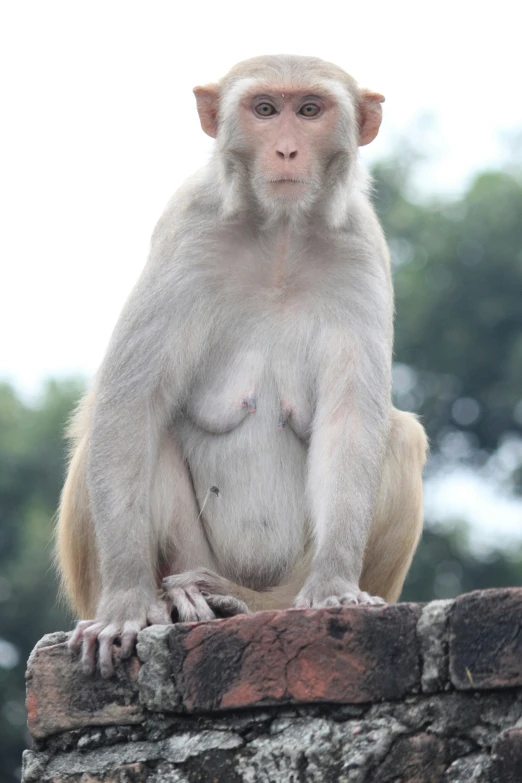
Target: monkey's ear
x,y
207,99
370,116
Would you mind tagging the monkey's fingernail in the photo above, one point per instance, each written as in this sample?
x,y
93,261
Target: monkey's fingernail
x,y
252,404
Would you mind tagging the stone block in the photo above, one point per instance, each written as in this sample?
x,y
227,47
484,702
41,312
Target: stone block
x,y
418,759
128,773
432,629
404,693
485,640
507,758
60,697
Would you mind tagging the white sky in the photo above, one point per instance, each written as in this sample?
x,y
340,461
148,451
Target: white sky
x,y
99,127
461,494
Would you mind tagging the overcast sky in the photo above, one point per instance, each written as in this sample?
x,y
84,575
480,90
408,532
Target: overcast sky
x,y
99,128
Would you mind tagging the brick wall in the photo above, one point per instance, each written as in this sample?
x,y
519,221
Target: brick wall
x,y
407,693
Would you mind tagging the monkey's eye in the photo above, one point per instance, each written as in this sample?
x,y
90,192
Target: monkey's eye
x,y
265,110
310,110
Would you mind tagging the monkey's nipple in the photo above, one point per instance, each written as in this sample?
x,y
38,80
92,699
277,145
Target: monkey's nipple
x,y
284,415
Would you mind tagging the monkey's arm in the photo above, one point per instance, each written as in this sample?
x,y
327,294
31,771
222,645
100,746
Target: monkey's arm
x,y
148,353
345,464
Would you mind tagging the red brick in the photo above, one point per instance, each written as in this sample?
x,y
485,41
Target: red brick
x,y
60,697
338,655
485,640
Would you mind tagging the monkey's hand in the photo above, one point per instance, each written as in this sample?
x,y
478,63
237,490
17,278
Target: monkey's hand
x,y
121,617
202,595
320,593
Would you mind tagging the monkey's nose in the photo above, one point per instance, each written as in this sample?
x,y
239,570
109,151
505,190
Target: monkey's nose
x,y
287,153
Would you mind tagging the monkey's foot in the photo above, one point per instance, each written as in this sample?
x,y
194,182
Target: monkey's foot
x,y
202,595
102,633
328,595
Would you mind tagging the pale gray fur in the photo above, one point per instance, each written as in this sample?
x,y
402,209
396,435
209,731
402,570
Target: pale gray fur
x,y
204,333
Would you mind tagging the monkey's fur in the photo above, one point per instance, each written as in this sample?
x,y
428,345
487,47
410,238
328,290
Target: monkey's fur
x,y
239,442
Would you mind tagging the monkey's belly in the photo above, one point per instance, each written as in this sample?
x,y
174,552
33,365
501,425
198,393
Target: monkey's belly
x,y
250,484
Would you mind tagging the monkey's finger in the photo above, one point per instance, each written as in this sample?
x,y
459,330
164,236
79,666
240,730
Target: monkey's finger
x,y
227,605
372,600
159,615
302,603
349,599
203,610
90,636
184,607
175,581
332,600
105,640
131,628
75,642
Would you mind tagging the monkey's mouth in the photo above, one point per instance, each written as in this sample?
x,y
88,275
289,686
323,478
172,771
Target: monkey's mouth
x,y
286,181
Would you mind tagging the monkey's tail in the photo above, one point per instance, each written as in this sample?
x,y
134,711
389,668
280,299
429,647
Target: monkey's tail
x,y
76,555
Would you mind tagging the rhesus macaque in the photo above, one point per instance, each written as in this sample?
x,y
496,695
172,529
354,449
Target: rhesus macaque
x,y
239,449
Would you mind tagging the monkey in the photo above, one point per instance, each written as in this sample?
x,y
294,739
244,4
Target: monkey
x,y
239,449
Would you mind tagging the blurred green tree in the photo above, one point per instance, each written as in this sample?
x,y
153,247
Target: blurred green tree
x,y
32,458
445,565
458,278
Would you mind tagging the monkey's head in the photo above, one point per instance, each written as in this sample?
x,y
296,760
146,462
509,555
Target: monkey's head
x,y
288,128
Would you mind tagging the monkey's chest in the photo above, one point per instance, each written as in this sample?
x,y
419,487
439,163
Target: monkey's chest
x,y
252,390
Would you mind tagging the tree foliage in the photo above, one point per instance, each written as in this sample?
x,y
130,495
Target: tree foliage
x,y
458,278
32,455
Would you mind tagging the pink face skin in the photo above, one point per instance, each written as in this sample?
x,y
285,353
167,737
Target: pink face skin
x,y
295,141
288,135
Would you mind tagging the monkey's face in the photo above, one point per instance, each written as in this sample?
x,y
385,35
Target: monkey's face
x,y
287,138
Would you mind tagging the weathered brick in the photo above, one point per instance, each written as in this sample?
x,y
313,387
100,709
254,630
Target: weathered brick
x,y
60,697
127,773
421,758
353,656
507,758
432,629
485,640
348,655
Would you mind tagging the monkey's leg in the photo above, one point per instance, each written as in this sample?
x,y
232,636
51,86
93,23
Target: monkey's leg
x,y
193,589
397,523
175,537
